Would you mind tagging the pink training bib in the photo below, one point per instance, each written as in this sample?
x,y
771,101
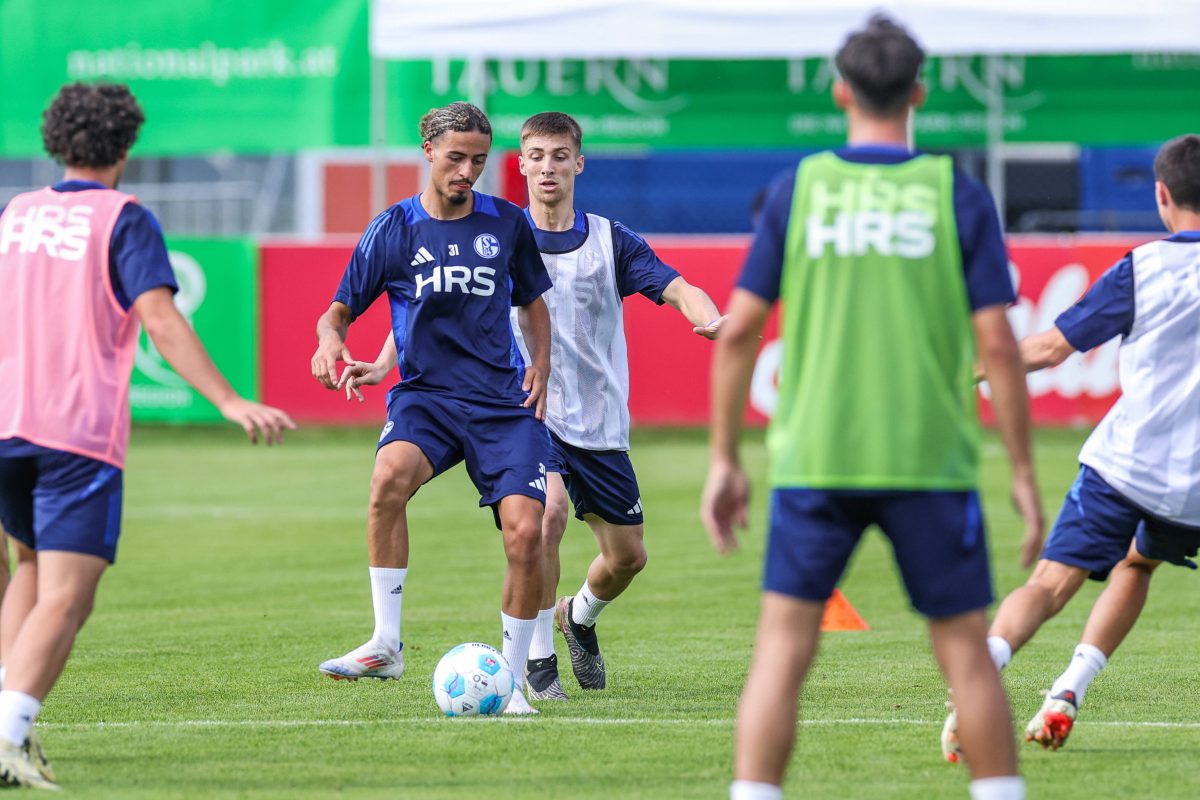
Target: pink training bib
x,y
66,345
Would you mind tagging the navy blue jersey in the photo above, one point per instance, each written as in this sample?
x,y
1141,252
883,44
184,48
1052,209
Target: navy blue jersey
x,y
638,268
137,254
984,258
450,284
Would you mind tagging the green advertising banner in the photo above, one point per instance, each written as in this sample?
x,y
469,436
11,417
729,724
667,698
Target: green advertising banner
x,y
1099,100
286,75
218,294
252,77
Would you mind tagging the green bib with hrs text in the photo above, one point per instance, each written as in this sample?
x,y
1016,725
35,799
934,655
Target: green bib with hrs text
x,y
876,384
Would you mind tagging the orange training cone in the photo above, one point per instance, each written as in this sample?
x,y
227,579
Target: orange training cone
x,y
841,616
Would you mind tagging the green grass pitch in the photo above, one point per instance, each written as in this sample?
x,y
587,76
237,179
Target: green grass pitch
x,y
240,569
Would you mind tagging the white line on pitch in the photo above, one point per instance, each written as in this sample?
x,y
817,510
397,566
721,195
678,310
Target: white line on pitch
x,y
317,723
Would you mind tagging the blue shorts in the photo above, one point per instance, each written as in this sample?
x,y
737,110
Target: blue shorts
x,y
53,500
937,536
506,448
1096,524
599,482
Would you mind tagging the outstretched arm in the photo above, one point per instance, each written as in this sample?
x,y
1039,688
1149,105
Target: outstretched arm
x,y
534,319
695,304
726,491
1002,362
182,349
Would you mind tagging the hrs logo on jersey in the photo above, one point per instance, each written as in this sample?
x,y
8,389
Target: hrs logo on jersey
x,y
60,232
871,214
479,281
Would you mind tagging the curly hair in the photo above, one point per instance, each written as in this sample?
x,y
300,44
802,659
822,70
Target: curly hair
x,y
461,117
91,125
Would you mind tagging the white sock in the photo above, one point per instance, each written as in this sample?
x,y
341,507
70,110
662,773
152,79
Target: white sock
x,y
1001,651
587,606
517,635
543,636
1008,787
1084,666
752,790
387,590
17,713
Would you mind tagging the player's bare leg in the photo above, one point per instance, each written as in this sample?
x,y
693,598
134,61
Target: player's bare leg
x,y
18,598
65,595
985,731
400,469
521,523
1027,607
622,556
1117,608
541,670
66,590
1111,619
788,633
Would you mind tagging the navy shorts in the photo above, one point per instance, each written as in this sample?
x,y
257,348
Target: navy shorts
x,y
506,448
54,500
1096,524
937,536
599,482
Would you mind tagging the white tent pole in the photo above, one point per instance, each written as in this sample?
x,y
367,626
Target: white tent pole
x,y
995,133
378,115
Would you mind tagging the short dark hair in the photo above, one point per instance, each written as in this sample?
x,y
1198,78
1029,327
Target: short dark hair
x,y
459,117
1177,166
553,123
91,125
881,63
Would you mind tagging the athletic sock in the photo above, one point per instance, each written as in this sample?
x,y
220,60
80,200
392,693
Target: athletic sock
x,y
17,713
1084,666
542,645
1001,651
587,606
387,590
1007,787
517,635
752,790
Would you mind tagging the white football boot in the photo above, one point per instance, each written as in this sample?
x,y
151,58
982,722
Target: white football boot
x,y
1052,724
371,660
17,768
517,704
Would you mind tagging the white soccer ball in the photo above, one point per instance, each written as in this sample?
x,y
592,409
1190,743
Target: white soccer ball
x,y
472,679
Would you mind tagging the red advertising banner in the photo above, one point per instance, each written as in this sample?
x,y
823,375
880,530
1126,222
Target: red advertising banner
x,y
298,283
669,365
669,373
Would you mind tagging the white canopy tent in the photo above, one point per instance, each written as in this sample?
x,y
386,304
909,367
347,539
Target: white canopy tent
x,y
772,28
730,29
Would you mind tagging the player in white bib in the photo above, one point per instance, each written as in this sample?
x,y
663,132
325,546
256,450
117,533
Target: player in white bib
x,y
594,263
1136,500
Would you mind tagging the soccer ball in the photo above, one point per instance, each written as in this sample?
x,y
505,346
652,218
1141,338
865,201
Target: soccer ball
x,y
472,679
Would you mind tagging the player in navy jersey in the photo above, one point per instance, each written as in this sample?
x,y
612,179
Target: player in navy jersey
x,y
594,263
452,262
1136,500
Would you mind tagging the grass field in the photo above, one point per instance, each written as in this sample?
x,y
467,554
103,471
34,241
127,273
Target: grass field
x,y
240,569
